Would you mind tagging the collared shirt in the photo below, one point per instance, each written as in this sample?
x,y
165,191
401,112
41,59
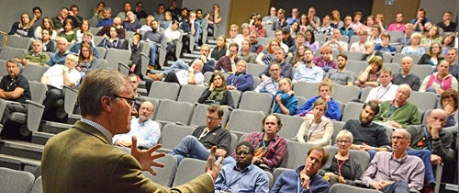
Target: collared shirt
x,y
274,153
57,58
55,76
312,74
250,179
41,58
289,181
382,93
383,167
182,76
147,133
268,86
99,127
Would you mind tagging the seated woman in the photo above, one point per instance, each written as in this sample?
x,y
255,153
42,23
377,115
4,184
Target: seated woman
x,y
68,32
22,28
47,24
86,60
167,21
172,36
448,102
433,55
325,89
266,57
369,77
414,48
310,41
298,56
439,81
241,80
370,52
111,42
432,35
343,168
316,129
84,27
447,42
218,92
220,50
325,27
245,53
285,101
134,46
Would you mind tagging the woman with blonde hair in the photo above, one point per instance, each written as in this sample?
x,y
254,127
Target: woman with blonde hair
x,y
316,129
47,24
325,89
414,48
432,36
335,19
267,56
23,27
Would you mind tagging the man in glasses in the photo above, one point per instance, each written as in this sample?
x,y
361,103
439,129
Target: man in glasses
x,y
82,158
395,171
143,127
56,78
203,138
242,176
360,45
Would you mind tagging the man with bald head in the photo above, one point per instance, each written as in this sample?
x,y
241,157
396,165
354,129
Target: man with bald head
x,y
406,76
143,127
117,23
61,54
399,113
395,172
34,56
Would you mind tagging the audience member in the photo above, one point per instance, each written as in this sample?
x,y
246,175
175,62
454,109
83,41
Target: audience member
x,y
341,75
272,17
370,52
414,48
112,41
245,53
307,71
124,14
375,35
105,30
446,24
449,103
316,129
139,13
48,25
73,14
218,92
405,40
406,76
257,27
59,20
86,59
420,20
271,84
346,29
432,36
256,47
34,56
356,21
285,101
160,12
305,178
87,39
288,40
310,41
439,81
167,21
325,60
99,10
386,90
106,20
37,17
298,56
147,26
385,46
433,55
451,57
192,75
314,21
240,80
220,50
157,39
286,69
336,43
227,64
447,42
325,89
295,16
325,27
83,28
61,53
336,19
130,24
23,28
359,46
369,77
280,22
398,25
68,32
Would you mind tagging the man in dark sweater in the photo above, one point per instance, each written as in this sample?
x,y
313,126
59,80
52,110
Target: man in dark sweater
x,y
406,76
203,138
368,136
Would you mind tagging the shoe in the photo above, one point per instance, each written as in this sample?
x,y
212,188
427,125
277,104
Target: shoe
x,y
155,77
151,67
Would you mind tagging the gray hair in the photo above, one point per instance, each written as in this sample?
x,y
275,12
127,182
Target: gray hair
x,y
344,133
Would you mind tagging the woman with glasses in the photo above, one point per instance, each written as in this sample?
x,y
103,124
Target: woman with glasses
x,y
218,92
343,168
316,129
433,55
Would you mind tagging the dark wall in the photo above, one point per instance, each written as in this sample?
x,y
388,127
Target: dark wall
x,y
324,7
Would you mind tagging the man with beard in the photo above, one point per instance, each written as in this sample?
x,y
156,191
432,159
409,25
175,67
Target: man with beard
x,y
286,68
308,71
239,176
146,130
341,75
368,135
305,177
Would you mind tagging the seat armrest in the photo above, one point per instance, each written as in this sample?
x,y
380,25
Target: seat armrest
x,y
34,114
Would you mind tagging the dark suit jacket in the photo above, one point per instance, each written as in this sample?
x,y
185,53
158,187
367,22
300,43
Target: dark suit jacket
x,y
81,159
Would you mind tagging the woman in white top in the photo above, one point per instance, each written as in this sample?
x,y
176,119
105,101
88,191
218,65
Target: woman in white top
x,y
414,48
84,27
172,35
47,24
316,129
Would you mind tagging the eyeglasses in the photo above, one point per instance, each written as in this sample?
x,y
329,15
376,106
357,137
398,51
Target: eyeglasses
x,y
211,119
243,153
130,101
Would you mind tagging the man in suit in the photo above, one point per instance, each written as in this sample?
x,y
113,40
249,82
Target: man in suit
x,y
82,158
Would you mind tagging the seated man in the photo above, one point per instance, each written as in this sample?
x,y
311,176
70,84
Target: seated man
x,y
399,113
190,27
105,30
305,178
406,76
34,56
87,38
157,39
341,75
336,42
193,75
107,20
56,78
61,54
203,138
227,64
308,71
13,87
386,90
146,130
271,85
395,172
286,68
242,176
130,24
255,46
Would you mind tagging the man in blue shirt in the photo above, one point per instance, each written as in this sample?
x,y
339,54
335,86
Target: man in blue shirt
x,y
242,176
305,178
107,20
59,56
420,20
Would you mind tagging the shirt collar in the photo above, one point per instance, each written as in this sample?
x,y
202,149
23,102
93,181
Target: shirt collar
x,y
104,131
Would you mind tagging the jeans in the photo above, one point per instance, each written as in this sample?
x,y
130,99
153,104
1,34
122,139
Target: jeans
x,y
153,53
397,187
191,147
179,64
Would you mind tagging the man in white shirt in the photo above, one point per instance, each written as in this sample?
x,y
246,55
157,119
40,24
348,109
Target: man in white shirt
x,y
146,130
336,43
386,90
191,76
360,45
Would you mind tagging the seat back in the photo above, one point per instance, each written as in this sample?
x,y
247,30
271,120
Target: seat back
x,y
351,111
357,56
19,42
115,56
187,170
102,52
254,101
164,90
277,172
172,134
398,58
14,181
422,71
175,112
190,93
236,96
337,127
245,121
37,186
356,66
365,93
37,91
290,126
8,52
34,72
423,100
255,69
200,115
165,175
305,89
3,70
296,154
345,93
394,67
